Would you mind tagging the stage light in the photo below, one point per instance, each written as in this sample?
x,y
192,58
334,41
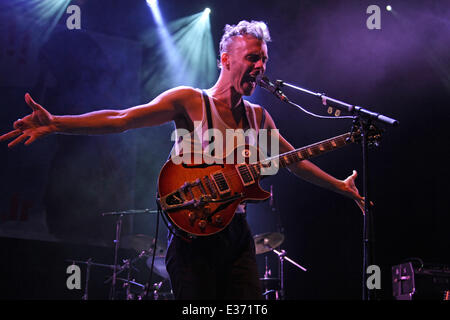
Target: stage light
x,y
153,4
205,14
187,54
200,59
35,18
388,8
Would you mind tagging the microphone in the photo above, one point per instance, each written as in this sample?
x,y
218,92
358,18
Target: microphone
x,y
265,83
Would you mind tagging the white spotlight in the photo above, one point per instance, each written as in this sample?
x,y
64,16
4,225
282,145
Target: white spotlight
x,y
388,8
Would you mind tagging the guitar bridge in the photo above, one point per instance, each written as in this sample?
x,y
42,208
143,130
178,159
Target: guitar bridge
x,y
178,200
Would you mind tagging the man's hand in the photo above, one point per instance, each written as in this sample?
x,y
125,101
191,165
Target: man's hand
x,y
33,126
350,190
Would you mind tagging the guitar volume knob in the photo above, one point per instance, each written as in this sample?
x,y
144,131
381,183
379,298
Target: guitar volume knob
x,y
202,224
218,220
192,217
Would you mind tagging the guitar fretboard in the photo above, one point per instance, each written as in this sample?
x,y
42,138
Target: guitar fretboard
x,y
305,153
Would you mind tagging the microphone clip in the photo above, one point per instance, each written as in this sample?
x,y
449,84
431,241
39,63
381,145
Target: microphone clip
x,y
264,82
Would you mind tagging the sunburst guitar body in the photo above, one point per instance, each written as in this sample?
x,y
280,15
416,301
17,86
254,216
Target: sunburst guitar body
x,y
201,198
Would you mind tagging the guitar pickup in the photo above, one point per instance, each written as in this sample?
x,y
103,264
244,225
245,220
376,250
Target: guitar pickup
x,y
220,182
245,174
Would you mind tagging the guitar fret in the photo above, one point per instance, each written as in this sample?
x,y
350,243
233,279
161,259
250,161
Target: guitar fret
x,y
321,147
287,159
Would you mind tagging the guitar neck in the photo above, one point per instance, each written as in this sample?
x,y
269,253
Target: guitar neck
x,y
308,152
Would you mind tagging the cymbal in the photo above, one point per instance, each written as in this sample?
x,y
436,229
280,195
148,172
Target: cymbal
x,y
142,242
159,266
88,262
265,242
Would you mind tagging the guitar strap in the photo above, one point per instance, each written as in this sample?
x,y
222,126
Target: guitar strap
x,y
263,118
208,117
210,123
208,108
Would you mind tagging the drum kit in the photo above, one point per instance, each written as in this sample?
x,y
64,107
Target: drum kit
x,y
146,248
270,242
142,246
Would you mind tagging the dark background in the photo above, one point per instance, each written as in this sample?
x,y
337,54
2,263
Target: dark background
x,y
54,191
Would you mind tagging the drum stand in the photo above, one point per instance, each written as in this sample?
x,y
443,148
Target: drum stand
x,y
282,257
269,244
120,215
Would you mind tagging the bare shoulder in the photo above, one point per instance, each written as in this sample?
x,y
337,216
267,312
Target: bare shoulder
x,y
181,94
259,113
258,109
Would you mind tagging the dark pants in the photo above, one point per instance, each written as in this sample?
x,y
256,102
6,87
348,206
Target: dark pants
x,y
221,266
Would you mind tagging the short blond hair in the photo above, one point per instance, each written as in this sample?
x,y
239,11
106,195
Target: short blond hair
x,y
257,29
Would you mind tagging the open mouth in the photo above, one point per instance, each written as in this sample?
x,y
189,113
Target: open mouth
x,y
251,79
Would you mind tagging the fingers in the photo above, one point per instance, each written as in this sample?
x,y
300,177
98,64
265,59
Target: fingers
x,y
358,196
29,100
31,137
10,135
30,140
33,105
17,141
18,124
354,175
361,206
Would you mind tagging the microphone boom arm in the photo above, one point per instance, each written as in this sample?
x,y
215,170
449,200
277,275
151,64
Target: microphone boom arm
x,y
354,110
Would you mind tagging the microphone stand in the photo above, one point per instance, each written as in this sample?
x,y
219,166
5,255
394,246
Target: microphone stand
x,y
280,229
116,251
86,290
366,119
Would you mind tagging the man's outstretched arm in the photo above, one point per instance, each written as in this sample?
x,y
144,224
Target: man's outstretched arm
x,y
164,108
313,174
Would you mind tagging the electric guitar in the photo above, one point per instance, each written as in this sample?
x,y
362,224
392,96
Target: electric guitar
x,y
201,199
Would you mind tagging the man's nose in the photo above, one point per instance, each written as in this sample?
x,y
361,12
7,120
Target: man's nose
x,y
260,65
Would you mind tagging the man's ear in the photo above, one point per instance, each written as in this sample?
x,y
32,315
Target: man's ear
x,y
225,60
